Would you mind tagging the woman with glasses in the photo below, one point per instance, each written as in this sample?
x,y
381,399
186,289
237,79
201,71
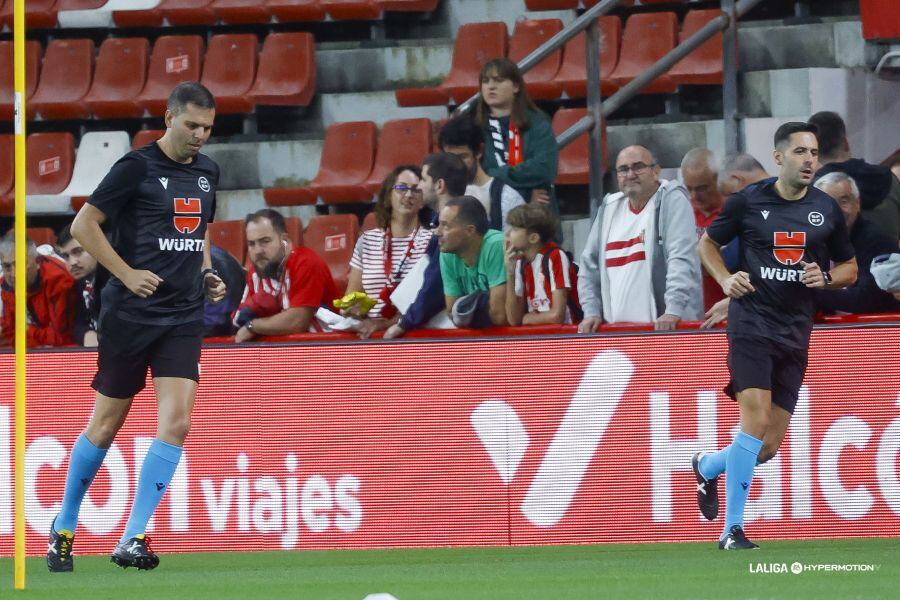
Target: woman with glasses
x,y
519,145
384,255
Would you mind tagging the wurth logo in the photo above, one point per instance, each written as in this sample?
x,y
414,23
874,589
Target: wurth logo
x,y
573,446
187,206
789,246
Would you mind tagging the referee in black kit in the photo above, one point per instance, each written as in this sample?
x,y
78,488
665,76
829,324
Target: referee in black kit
x,y
157,202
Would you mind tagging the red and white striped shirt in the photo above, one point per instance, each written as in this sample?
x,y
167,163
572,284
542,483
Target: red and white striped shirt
x,y
368,257
537,289
625,257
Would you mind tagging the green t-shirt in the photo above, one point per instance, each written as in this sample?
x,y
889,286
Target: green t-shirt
x,y
489,271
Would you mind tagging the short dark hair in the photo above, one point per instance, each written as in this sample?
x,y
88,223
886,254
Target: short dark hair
x,y
535,218
65,236
462,131
471,212
450,168
784,133
274,217
189,92
832,131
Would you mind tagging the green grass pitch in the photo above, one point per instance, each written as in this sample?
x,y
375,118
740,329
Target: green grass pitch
x,y
664,571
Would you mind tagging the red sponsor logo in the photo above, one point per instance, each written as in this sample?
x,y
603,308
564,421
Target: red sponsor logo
x,y
49,165
187,206
335,242
177,64
355,456
789,246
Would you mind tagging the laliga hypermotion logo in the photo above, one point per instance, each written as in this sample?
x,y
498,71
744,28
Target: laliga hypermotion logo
x,y
789,246
187,206
573,446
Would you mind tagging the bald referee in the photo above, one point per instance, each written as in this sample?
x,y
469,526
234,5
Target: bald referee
x,y
157,202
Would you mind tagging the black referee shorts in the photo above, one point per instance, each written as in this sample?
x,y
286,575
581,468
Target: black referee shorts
x,y
758,362
127,349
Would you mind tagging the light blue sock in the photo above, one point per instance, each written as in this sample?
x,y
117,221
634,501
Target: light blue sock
x,y
739,467
84,462
156,473
712,465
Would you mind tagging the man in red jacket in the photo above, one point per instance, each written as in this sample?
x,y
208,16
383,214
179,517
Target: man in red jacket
x,y
50,295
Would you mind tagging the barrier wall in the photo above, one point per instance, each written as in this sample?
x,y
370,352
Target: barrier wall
x,y
471,442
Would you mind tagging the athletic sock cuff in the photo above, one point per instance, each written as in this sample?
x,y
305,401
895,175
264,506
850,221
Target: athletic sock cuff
x,y
167,452
749,443
86,450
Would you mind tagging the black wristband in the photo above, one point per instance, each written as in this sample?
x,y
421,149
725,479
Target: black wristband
x,y
826,275
209,271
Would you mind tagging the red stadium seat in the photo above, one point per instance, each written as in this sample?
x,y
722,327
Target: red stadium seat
x,y
119,78
7,163
242,11
703,66
79,4
39,14
231,236
476,44
294,226
408,5
648,37
188,12
289,11
369,222
528,35
551,4
146,136
287,70
574,166
352,10
289,196
229,71
65,80
333,237
402,142
572,76
175,58
880,19
51,158
41,235
149,17
348,155
7,84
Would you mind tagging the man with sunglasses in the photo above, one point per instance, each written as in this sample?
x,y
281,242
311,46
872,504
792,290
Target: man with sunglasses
x,y
640,260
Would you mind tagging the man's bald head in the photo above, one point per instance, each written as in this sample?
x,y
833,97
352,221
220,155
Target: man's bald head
x,y
637,174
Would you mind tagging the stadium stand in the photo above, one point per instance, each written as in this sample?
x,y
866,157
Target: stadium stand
x,y
51,157
527,36
408,5
241,11
7,173
352,10
188,12
288,11
118,79
39,14
402,142
230,236
880,19
65,79
42,235
102,16
369,222
551,4
476,43
571,77
333,237
704,65
145,136
294,226
574,166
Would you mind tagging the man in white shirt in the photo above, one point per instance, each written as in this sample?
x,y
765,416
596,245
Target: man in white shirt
x,y
463,137
640,261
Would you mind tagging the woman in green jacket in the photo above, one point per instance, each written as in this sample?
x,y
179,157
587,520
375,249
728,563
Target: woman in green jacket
x,y
519,145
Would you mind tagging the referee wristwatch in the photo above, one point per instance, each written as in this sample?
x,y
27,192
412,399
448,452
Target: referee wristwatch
x,y
208,271
826,275
249,326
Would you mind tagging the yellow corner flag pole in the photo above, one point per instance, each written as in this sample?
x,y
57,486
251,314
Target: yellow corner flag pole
x,y
21,285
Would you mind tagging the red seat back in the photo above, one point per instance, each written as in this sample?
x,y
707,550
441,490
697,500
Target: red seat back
x,y
119,78
242,11
356,10
231,236
647,38
574,164
287,70
333,237
79,4
402,142
348,153
145,136
65,79
528,35
551,4
476,44
880,19
369,222
41,235
703,65
573,71
294,226
409,5
51,157
188,12
7,162
175,59
230,68
288,11
7,84
39,14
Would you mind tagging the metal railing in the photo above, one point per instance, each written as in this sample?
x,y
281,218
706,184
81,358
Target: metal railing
x,y
732,11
